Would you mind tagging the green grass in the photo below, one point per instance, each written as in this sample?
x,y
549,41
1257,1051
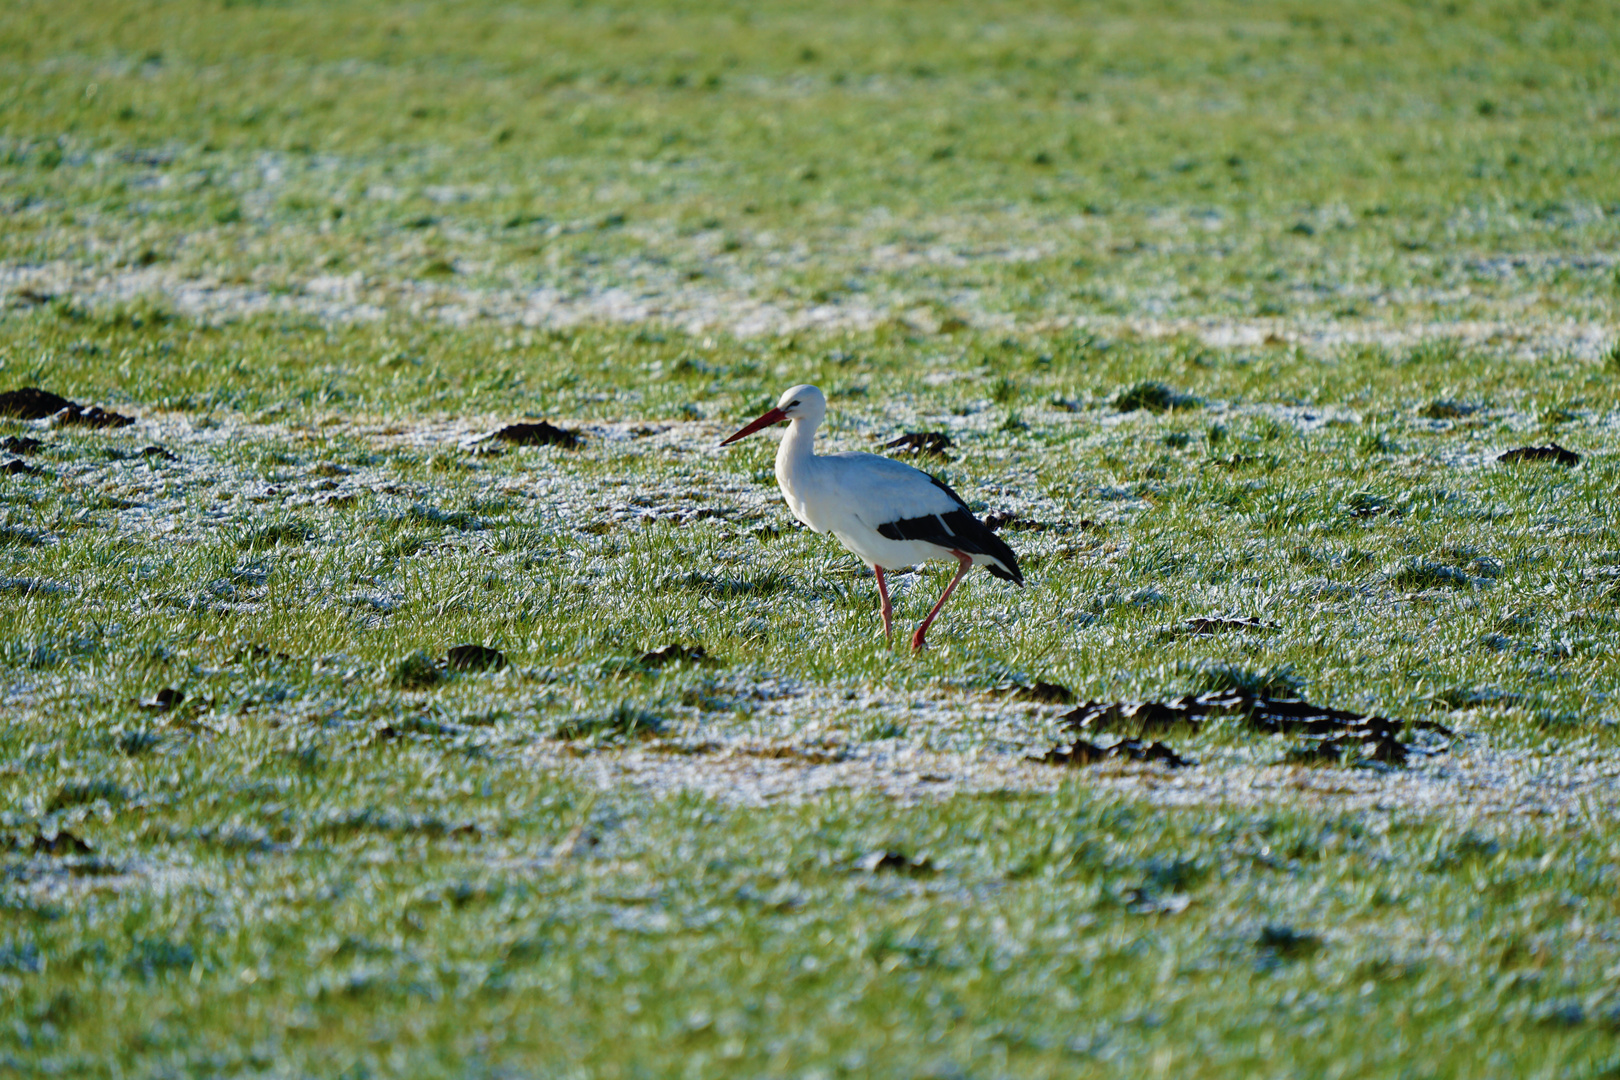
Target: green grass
x,y
1340,161
1062,235
421,920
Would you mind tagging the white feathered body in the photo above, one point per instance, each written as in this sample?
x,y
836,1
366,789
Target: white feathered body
x,y
851,496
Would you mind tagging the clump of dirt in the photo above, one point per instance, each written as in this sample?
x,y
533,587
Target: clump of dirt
x,y
1280,942
1331,733
20,444
1040,693
164,700
1081,752
474,658
63,843
896,862
93,416
922,444
1551,452
29,297
537,434
673,654
31,403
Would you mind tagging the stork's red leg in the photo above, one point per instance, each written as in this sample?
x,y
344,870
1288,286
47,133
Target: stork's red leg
x,y
961,572
886,608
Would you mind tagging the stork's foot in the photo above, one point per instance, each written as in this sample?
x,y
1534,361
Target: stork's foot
x,y
964,564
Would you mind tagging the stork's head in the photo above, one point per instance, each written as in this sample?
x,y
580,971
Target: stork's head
x,y
804,403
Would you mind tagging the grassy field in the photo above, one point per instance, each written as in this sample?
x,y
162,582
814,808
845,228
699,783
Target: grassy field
x,y
1233,305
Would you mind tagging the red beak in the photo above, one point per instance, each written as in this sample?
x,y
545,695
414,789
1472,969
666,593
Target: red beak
x,y
775,416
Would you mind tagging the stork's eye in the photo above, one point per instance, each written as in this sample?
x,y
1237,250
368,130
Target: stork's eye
x,y
792,404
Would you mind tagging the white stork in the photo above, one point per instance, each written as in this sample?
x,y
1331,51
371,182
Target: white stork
x,y
885,511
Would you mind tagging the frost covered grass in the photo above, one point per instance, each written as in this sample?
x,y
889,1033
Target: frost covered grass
x,y
314,844
1361,164
1268,484
1233,312
420,909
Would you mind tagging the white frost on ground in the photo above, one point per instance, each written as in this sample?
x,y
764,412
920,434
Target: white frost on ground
x,y
799,740
698,308
1470,780
797,745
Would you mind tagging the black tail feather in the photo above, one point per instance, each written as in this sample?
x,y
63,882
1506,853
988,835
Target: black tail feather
x,y
961,531
1015,576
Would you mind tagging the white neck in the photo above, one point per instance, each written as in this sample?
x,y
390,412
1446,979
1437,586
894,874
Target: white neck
x,y
796,451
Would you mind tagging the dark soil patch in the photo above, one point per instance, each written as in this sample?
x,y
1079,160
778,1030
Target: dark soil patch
x,y
31,403
94,416
474,658
673,654
63,843
896,862
27,297
1081,752
538,434
1551,452
164,700
1041,693
1286,943
20,444
1331,734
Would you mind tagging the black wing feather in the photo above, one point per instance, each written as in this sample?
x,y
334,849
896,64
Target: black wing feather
x,y
960,530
